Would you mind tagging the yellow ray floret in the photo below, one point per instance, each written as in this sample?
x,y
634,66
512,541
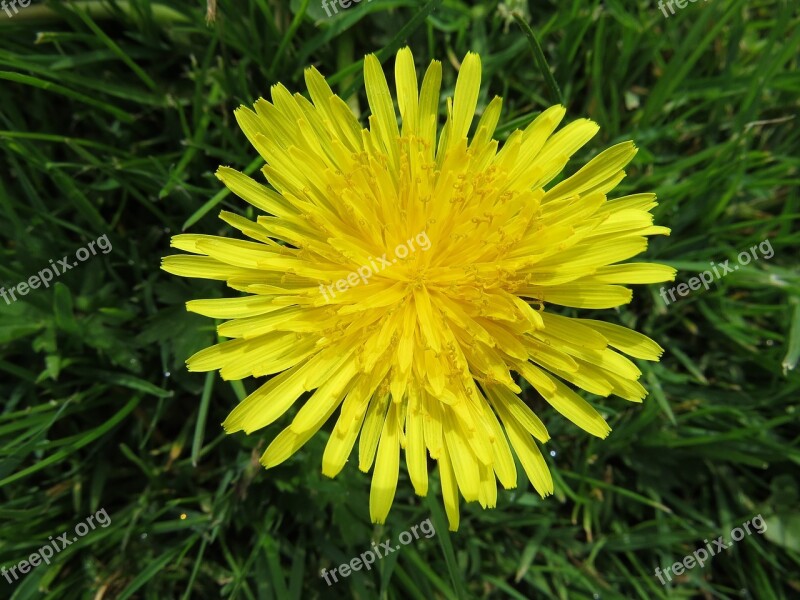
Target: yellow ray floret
x,y
409,278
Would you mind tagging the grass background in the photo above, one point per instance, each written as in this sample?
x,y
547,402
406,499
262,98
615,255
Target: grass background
x,y
113,118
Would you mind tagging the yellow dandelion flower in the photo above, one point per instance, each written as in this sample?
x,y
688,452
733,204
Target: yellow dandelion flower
x,y
402,276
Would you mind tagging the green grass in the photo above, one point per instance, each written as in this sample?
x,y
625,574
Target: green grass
x,y
113,119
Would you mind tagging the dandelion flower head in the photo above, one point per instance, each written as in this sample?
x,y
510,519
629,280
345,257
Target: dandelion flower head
x,y
410,277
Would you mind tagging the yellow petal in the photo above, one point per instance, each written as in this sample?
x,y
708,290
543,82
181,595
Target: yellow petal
x,y
449,490
468,86
429,106
580,295
384,479
632,273
575,408
256,194
416,457
463,460
502,460
407,99
519,411
380,102
529,455
371,431
601,168
227,308
628,341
